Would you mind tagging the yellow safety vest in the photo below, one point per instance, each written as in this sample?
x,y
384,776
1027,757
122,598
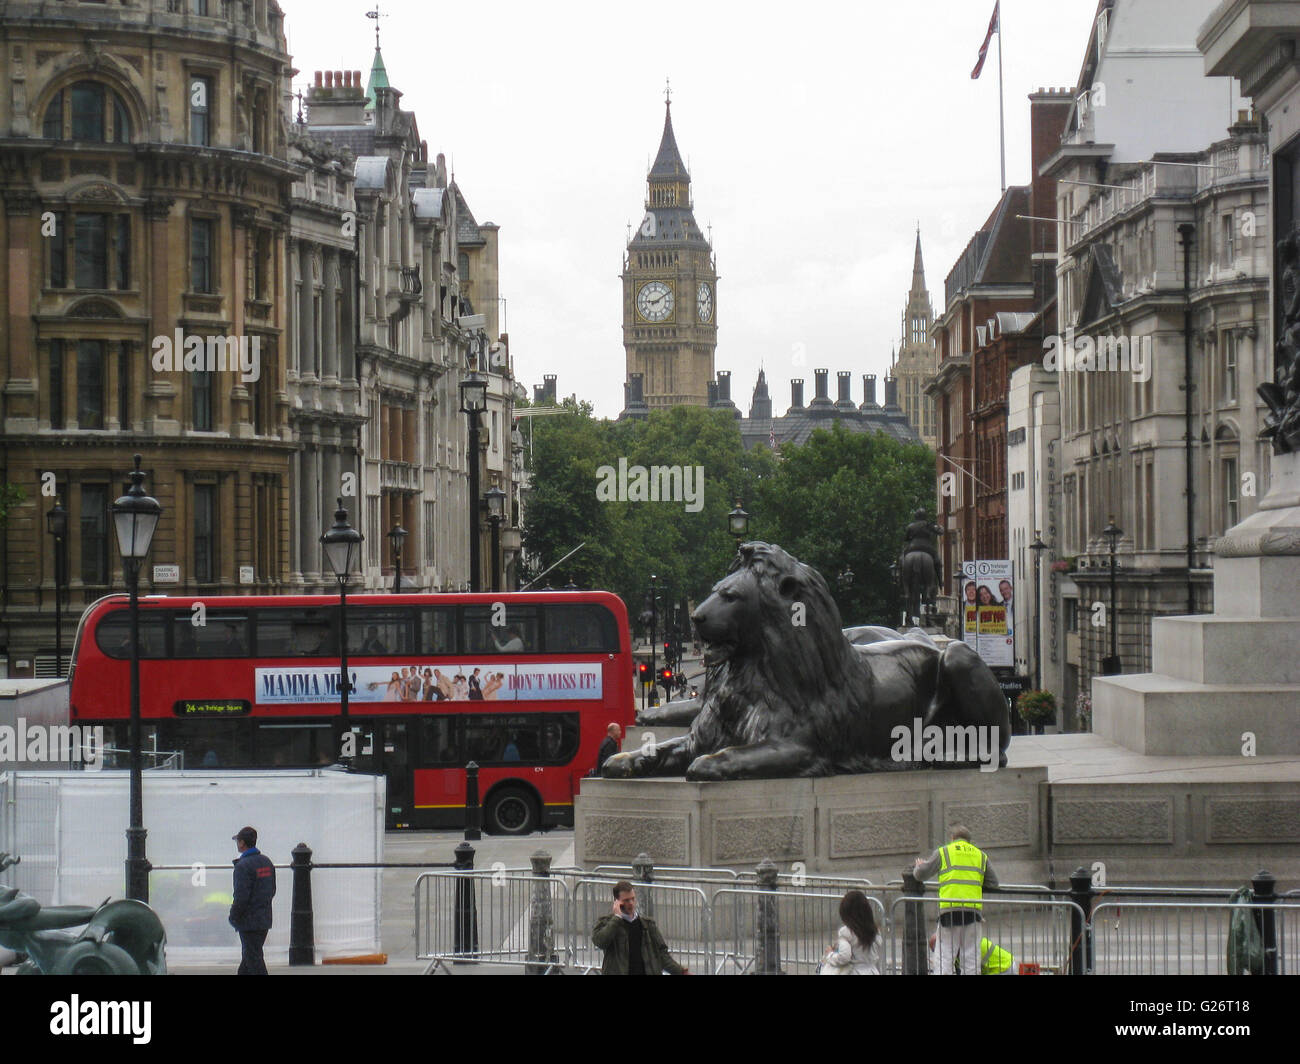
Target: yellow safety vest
x,y
961,875
994,960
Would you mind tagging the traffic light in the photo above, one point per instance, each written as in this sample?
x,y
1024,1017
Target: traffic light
x,y
643,672
666,677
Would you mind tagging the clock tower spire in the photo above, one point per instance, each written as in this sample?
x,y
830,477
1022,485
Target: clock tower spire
x,y
670,281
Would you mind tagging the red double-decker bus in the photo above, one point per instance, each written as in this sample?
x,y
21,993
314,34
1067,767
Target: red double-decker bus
x,y
524,684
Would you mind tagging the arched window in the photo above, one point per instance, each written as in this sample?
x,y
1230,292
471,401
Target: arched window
x,y
87,111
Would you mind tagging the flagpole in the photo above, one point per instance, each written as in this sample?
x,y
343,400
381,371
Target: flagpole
x,y
1002,132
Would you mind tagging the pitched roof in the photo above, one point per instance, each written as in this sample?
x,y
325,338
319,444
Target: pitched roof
x,y
668,163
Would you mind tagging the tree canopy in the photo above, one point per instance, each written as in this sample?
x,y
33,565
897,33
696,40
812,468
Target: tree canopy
x,y
843,499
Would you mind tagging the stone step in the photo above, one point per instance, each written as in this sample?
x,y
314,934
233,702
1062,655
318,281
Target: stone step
x,y
1153,713
1226,650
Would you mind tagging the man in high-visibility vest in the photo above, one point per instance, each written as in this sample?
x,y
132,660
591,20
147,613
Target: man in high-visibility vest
x,y
964,871
994,960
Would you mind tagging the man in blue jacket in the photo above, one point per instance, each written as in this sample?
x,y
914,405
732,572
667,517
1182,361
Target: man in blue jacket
x,y
250,913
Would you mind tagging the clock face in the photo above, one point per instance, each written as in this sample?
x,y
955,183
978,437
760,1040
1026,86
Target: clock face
x,y
655,301
704,302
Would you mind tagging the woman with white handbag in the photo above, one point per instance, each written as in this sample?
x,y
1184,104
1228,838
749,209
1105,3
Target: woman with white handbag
x,y
857,948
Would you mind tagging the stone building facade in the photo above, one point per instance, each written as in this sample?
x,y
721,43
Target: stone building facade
x,y
1128,208
145,172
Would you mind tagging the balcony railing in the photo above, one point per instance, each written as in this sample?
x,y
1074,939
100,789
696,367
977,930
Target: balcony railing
x,y
400,476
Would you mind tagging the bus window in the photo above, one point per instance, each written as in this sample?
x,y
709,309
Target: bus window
x,y
438,629
580,628
113,634
518,635
305,632
550,738
378,632
208,743
295,745
438,742
224,636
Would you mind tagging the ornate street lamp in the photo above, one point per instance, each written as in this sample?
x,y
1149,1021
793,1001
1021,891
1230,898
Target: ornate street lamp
x,y
1038,546
738,523
845,579
496,502
135,517
56,524
1111,666
473,401
397,537
342,545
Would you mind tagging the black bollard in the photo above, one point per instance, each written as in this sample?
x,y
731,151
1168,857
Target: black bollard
x,y
643,871
1081,893
302,926
916,943
767,927
466,915
1264,885
473,811
541,918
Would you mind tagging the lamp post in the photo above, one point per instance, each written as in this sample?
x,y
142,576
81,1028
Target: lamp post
x,y
654,635
738,523
135,516
1038,546
342,545
1111,666
397,537
496,502
56,523
473,401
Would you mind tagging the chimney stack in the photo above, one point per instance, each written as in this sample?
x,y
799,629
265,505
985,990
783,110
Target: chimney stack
x,y
548,383
891,393
822,398
869,390
796,396
844,402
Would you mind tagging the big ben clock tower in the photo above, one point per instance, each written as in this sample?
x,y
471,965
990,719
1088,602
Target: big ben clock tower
x,y
670,283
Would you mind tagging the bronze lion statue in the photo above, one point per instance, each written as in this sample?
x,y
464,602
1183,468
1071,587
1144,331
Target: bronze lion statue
x,y
787,694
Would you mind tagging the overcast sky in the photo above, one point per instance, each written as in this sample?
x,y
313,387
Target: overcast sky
x,y
818,136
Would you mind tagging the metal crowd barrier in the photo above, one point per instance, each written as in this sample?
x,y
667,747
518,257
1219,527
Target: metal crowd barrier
x,y
491,917
681,912
1044,932
776,932
1184,938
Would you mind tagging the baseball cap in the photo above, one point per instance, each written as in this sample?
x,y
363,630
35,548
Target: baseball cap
x,y
249,835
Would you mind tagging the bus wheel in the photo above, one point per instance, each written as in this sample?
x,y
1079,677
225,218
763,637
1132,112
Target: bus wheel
x,y
511,811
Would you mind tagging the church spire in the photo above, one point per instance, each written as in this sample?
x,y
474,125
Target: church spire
x,y
918,268
378,74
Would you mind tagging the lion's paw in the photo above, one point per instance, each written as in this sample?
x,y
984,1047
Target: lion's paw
x,y
621,766
707,768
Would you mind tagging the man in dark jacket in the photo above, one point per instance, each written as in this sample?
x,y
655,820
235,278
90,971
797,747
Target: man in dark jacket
x,y
632,942
250,913
608,747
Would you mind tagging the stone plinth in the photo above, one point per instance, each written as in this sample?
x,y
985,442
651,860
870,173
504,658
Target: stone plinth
x,y
1222,681
841,824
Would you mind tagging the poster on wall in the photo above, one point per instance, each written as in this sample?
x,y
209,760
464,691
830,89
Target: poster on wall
x,y
987,591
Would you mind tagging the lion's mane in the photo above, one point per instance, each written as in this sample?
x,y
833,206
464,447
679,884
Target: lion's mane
x,y
779,663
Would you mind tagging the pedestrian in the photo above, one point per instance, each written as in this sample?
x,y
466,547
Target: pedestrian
x,y
856,950
250,912
994,960
631,942
964,871
609,746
